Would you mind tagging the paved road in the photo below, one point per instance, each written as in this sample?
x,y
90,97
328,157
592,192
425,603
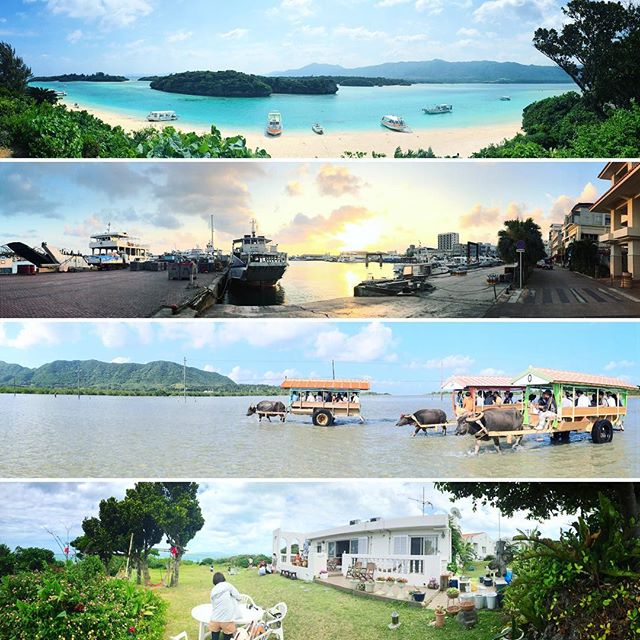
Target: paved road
x,y
93,294
453,297
564,294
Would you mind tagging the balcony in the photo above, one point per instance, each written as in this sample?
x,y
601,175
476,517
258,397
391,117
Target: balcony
x,y
416,569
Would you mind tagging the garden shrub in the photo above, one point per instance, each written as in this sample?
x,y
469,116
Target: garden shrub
x,y
44,606
586,586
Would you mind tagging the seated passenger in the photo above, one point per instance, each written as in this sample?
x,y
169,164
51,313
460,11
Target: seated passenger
x,y
497,399
467,403
533,410
480,399
582,400
567,400
547,409
488,398
612,399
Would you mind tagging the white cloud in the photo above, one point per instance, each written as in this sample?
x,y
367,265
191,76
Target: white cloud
x,y
589,193
619,364
292,9
358,33
179,36
430,6
75,36
110,13
31,334
468,33
459,363
234,34
120,360
539,12
373,342
490,371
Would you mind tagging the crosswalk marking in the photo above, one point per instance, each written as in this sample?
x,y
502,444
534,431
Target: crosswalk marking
x,y
573,295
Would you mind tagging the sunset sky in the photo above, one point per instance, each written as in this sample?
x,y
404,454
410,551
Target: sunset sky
x,y
307,207
260,36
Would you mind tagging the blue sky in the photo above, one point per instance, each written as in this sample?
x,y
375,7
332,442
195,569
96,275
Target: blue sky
x,y
304,206
398,357
157,36
240,516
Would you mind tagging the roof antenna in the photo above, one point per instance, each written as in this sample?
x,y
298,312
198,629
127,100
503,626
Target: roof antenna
x,y
424,502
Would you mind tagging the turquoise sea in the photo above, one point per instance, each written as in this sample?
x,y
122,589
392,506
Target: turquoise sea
x,y
351,109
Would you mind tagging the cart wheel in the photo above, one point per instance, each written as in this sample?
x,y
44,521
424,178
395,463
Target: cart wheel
x,y
322,418
602,432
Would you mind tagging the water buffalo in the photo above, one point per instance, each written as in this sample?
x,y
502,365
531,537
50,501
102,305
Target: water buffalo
x,y
497,420
422,419
265,407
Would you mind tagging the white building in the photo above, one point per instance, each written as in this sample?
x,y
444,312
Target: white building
x,y
483,545
416,548
447,241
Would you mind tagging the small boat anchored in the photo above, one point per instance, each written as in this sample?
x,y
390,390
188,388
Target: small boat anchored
x,y
162,116
505,98
438,109
317,128
274,123
395,123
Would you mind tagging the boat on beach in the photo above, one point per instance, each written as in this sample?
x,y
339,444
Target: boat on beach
x,y
162,116
255,261
395,123
274,123
438,109
317,128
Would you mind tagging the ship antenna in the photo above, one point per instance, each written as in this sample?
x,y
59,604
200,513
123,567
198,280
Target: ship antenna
x,y
211,232
253,227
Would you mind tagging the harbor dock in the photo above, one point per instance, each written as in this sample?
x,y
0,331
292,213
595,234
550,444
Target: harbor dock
x,y
108,294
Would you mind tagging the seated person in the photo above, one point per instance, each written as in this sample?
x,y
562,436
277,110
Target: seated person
x,y
225,599
547,409
533,410
567,400
582,399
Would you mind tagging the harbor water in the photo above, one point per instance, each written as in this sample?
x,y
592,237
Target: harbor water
x,y
97,436
351,109
305,282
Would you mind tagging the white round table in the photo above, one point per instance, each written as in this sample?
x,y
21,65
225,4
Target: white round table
x,y
246,615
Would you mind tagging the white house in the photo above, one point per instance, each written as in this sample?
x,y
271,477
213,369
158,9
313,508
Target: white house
x,y
416,548
483,545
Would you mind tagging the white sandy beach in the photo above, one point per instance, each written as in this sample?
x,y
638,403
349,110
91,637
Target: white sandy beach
x,y
444,142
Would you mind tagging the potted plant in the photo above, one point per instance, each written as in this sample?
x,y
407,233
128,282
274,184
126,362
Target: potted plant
x,y
418,596
453,593
391,586
323,575
433,584
440,614
467,605
512,632
453,609
369,587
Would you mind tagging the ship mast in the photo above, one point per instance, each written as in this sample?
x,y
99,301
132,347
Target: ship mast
x,y
254,222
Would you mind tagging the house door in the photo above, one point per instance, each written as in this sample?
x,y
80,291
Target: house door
x,y
342,546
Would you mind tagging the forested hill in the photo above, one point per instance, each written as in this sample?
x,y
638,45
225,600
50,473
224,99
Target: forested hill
x,y
159,376
81,77
234,84
441,71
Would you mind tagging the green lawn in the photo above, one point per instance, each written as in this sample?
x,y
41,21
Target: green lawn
x,y
316,612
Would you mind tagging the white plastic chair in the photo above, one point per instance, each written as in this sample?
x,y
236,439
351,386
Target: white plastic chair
x,y
247,600
274,618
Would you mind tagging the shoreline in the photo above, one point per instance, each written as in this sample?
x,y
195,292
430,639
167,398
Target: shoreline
x,y
462,141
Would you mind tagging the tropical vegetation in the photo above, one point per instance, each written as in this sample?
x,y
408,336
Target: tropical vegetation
x,y
81,77
78,601
521,231
599,48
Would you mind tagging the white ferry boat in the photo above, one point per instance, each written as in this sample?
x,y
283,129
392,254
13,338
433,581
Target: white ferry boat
x,y
114,249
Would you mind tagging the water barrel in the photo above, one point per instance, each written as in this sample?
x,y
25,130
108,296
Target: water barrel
x,y
491,597
479,600
626,280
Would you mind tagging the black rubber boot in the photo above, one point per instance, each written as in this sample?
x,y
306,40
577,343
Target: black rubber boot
x,y
215,635
227,636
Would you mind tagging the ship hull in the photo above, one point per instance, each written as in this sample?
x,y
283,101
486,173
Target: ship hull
x,y
256,276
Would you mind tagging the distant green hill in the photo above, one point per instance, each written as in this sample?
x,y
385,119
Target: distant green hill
x,y
441,71
81,77
234,84
153,377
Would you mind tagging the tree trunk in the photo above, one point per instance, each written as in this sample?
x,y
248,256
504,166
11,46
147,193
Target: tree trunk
x,y
138,571
629,493
175,569
145,571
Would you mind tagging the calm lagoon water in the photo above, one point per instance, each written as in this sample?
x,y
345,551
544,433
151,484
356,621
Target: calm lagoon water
x,y
351,109
309,281
212,437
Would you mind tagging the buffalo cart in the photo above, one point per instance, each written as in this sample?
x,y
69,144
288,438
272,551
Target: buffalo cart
x,y
324,400
478,387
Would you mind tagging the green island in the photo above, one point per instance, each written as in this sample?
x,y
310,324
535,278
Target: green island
x,y
92,377
81,77
235,84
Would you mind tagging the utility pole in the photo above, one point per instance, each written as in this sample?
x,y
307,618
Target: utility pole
x,y
184,379
78,372
424,502
333,369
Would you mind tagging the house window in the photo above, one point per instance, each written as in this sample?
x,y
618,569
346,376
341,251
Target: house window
x,y
332,549
424,545
319,547
400,545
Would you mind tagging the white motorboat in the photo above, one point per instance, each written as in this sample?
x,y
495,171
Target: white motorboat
x,y
113,249
395,123
317,128
162,116
505,98
274,123
438,109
